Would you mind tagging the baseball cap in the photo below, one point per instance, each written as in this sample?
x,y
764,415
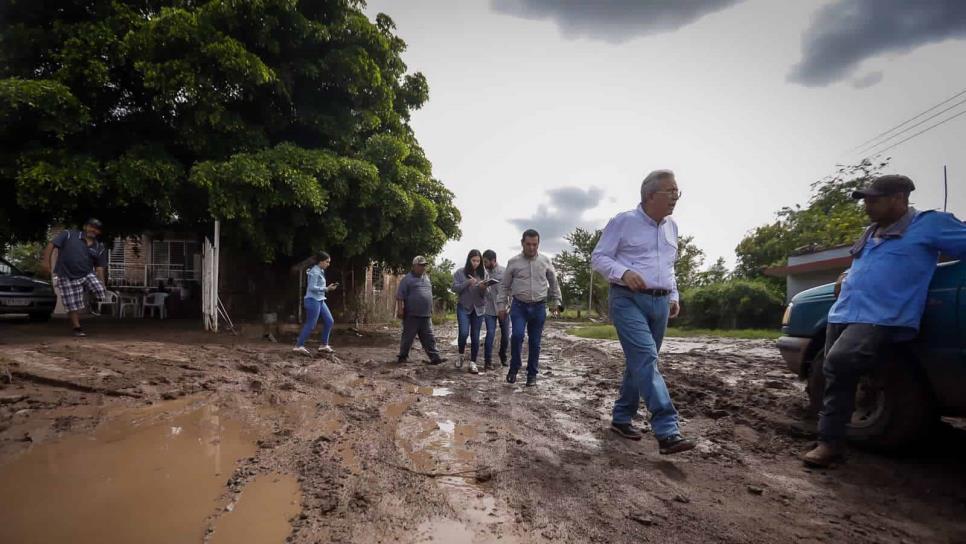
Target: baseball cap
x,y
885,186
419,259
96,223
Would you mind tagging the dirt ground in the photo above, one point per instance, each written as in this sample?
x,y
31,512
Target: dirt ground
x,y
415,453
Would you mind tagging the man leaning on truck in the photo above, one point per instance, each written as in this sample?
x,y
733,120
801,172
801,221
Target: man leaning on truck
x,y
882,298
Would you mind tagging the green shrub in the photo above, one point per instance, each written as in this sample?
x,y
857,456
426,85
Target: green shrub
x,y
734,304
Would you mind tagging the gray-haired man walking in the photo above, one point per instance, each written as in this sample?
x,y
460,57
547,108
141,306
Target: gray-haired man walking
x,y
636,253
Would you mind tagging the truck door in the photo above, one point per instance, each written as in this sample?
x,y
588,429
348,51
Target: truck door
x,y
941,348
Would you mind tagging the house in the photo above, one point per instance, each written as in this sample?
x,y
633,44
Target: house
x,y
812,267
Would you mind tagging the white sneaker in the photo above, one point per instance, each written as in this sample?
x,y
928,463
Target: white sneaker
x,y
473,369
326,349
302,351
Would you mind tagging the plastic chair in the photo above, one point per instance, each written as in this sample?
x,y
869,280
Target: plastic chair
x,y
112,300
154,301
128,302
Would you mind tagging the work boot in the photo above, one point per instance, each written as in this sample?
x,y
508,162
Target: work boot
x,y
472,369
823,455
487,366
511,376
400,360
674,444
502,360
626,430
531,381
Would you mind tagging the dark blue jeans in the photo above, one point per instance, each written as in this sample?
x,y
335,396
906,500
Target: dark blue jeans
x,y
313,310
528,319
470,324
851,351
491,323
641,321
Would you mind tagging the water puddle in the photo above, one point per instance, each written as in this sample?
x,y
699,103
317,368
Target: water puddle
x,y
262,513
150,475
443,446
431,391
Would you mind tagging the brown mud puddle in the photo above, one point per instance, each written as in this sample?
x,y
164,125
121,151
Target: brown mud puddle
x,y
262,513
144,475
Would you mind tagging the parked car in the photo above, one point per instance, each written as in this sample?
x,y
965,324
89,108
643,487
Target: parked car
x,y
22,294
922,379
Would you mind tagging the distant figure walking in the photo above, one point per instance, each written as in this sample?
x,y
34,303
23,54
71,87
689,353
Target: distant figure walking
x,y
469,284
315,306
491,314
636,253
530,282
415,299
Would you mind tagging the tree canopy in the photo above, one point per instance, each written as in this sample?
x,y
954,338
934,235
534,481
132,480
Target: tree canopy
x,y
288,120
831,218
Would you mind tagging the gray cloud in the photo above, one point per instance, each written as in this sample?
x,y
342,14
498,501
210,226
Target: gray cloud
x,y
846,32
614,21
868,80
558,219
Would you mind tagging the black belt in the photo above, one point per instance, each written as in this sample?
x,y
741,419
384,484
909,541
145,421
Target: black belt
x,y
530,303
652,292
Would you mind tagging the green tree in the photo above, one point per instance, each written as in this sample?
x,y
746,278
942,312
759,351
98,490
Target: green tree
x,y
574,272
732,304
687,267
25,256
716,273
287,120
830,218
441,277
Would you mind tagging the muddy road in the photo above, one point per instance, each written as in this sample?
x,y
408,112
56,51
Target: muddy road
x,y
154,432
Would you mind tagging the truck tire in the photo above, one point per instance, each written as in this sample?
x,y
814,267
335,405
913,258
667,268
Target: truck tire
x,y
893,407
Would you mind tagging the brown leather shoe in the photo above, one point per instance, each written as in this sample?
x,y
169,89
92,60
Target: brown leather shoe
x,y
823,455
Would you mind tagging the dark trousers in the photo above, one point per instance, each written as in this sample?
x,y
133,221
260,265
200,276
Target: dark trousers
x,y
529,319
851,351
414,326
491,324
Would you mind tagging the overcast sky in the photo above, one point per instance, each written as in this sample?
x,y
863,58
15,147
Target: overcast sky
x,y
548,113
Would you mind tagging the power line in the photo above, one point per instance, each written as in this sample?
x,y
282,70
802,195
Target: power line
x,y
920,123
927,129
913,118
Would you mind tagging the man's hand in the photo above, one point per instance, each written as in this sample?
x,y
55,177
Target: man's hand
x,y
502,314
332,287
675,309
555,311
633,281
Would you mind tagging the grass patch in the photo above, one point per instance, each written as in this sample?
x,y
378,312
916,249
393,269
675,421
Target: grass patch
x,y
441,319
607,332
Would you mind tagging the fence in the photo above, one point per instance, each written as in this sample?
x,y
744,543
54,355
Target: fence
x,y
148,275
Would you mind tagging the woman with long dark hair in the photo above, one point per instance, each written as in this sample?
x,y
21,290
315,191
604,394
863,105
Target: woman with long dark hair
x,y
469,284
315,306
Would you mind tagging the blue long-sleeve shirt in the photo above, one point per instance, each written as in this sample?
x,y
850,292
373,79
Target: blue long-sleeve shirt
x,y
633,241
316,287
892,268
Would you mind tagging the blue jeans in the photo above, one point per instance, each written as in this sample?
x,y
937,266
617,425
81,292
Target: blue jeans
x,y
529,319
470,324
491,323
641,321
313,310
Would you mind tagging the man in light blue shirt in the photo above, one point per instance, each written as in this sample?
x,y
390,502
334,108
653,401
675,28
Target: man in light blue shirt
x,y
882,298
636,253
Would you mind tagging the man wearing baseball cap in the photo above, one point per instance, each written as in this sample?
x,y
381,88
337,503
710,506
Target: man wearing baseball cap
x,y
414,298
81,261
882,298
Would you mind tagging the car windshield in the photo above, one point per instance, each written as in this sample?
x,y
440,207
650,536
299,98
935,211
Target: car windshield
x,y
7,269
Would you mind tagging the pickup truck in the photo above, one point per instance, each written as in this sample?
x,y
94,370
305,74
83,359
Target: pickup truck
x,y
922,379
